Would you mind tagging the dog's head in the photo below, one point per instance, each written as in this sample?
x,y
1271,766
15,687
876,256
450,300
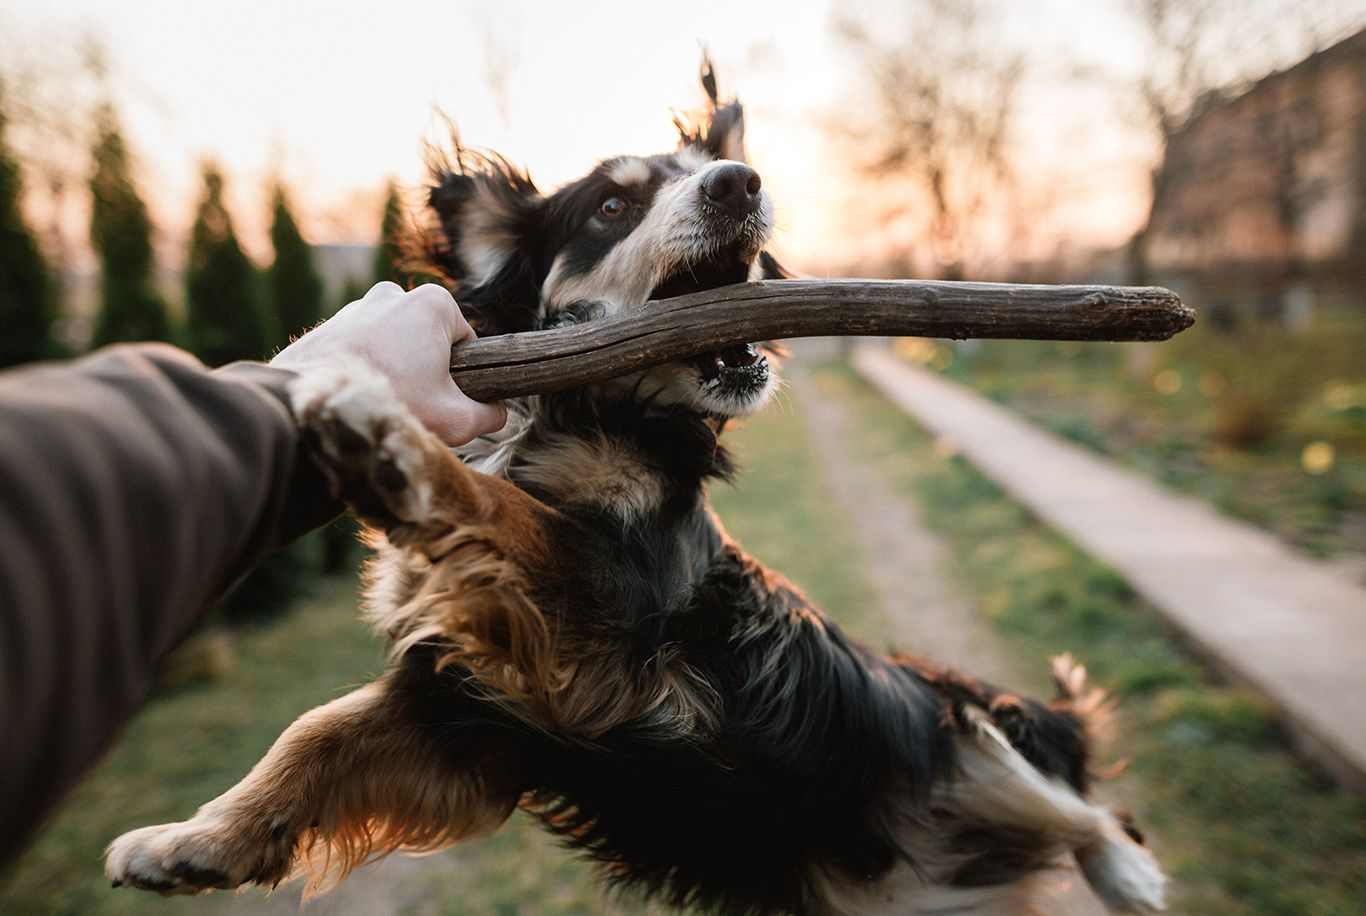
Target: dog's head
x,y
635,228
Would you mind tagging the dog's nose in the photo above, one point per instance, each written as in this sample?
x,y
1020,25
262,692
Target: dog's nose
x,y
733,188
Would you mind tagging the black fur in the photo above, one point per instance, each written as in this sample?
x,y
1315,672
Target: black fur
x,y
815,734
813,751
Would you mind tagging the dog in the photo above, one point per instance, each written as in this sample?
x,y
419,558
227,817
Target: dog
x,y
575,634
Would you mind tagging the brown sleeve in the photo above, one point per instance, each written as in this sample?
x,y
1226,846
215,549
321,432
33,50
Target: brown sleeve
x,y
135,487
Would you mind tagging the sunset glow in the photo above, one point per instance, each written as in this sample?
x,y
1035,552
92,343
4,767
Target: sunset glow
x,y
336,97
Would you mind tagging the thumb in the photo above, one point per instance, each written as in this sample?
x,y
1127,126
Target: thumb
x,y
457,418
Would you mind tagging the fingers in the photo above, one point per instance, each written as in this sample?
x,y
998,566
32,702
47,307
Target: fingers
x,y
441,303
408,337
456,418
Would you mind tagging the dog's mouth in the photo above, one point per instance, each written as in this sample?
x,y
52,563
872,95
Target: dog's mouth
x,y
737,368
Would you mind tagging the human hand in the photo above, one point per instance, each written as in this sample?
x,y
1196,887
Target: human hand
x,y
408,338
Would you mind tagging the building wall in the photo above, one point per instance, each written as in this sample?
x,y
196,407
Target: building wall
x,y
1268,188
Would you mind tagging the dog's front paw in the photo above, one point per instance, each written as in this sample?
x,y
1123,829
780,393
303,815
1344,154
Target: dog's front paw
x,y
195,856
366,441
574,313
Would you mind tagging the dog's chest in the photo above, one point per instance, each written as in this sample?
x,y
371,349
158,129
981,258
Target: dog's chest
x,y
589,472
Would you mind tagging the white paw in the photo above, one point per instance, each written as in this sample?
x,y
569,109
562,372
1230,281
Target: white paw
x,y
198,855
348,388
365,440
1124,874
183,858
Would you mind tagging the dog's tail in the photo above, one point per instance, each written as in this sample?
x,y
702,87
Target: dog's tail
x,y
1116,865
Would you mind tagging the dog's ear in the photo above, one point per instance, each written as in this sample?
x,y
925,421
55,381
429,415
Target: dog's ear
x,y
482,204
482,210
720,132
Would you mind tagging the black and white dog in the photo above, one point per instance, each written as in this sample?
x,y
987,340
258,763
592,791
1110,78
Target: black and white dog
x,y
574,633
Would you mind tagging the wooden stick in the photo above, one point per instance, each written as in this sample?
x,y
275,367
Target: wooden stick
x,y
540,362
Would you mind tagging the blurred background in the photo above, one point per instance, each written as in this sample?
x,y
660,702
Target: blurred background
x,y
223,176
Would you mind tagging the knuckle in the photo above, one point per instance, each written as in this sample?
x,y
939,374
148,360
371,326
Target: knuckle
x,y
430,294
384,288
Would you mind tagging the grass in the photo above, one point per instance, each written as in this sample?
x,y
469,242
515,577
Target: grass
x,y
1269,426
1241,825
190,744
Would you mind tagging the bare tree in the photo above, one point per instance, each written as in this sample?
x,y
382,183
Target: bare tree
x,y
1175,86
52,97
54,90
935,135
1200,53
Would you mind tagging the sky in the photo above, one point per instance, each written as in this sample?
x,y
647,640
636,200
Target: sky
x,y
336,97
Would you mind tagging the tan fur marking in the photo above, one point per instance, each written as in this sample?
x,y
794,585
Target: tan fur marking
x,y
488,235
462,538
466,591
629,171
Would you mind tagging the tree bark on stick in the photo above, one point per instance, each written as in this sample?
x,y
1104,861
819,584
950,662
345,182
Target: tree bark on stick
x,y
540,362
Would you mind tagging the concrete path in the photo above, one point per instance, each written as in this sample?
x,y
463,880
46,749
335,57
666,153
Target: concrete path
x,y
1288,626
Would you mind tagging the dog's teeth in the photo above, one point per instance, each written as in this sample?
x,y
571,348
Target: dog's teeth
x,y
718,363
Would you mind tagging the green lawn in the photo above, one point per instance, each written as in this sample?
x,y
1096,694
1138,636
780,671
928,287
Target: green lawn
x,y
189,745
1241,825
1269,426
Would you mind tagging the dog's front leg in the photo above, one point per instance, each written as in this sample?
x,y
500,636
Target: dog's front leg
x,y
398,476
347,781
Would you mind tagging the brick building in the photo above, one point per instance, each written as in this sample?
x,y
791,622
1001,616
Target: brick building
x,y
1263,199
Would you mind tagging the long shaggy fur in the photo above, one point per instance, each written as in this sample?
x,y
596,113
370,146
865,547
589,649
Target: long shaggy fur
x,y
574,632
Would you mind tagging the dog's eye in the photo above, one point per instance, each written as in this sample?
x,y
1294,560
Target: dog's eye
x,y
612,207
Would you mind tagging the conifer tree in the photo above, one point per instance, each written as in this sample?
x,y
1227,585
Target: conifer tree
x,y
226,320
389,255
224,317
121,233
295,287
27,308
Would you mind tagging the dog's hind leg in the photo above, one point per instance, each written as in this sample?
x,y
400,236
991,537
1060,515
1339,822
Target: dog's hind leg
x,y
996,785
346,782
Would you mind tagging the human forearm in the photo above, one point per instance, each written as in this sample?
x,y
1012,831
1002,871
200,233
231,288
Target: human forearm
x,y
135,487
